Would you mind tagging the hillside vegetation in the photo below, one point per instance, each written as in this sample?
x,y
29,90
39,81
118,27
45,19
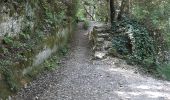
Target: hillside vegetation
x,y
34,35
31,31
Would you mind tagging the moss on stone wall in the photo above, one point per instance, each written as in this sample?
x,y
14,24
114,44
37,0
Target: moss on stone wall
x,y
45,25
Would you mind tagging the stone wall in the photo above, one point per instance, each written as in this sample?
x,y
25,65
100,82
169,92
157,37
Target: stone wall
x,y
30,32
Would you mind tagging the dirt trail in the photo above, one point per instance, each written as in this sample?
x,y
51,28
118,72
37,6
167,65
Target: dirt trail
x,y
81,78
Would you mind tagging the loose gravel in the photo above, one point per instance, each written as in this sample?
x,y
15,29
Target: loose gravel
x,y
81,78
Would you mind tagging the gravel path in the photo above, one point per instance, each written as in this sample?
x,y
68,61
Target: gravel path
x,y
81,78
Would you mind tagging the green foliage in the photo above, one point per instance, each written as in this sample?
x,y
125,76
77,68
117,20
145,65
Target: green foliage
x,y
155,16
149,33
142,44
93,9
86,25
135,41
8,74
24,36
81,14
63,51
113,52
41,19
9,78
8,40
25,32
120,44
51,63
3,50
164,71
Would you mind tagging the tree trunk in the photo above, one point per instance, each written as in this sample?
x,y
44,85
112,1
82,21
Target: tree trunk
x,y
112,11
121,10
124,7
88,13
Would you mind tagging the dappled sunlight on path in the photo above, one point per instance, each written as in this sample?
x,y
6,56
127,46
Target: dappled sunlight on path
x,y
134,86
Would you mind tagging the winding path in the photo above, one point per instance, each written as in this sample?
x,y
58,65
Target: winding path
x,y
81,78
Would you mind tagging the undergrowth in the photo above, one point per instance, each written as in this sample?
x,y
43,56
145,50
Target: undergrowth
x,y
86,24
139,46
164,71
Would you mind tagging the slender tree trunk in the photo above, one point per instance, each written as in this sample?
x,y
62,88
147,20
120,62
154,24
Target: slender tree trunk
x,y
88,13
112,11
121,10
124,8
128,7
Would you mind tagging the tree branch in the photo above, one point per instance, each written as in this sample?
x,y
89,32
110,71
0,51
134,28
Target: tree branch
x,y
88,13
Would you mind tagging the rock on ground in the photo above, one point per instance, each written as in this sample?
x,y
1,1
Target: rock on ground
x,y
99,54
